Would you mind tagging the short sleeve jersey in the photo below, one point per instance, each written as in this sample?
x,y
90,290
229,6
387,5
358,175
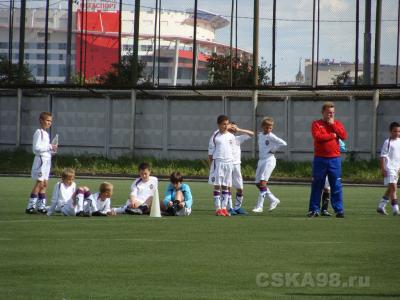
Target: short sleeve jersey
x,y
143,190
391,151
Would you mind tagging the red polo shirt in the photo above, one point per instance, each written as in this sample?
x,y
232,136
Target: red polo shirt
x,y
325,143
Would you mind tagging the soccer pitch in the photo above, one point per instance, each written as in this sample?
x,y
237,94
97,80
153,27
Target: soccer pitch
x,y
277,255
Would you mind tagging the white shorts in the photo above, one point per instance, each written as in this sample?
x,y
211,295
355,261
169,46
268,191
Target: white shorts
x,y
237,179
68,209
265,168
41,168
392,176
220,173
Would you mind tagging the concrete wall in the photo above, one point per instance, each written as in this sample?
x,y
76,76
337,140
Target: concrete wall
x,y
180,127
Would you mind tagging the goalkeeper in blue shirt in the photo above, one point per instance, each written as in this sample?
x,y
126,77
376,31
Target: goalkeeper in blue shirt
x,y
178,197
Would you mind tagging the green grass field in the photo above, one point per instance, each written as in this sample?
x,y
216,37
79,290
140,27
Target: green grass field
x,y
201,256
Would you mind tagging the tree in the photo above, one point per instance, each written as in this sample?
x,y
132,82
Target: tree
x,y
342,79
121,73
218,67
9,73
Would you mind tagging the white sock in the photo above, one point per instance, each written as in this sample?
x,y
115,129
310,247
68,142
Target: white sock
x,y
120,210
41,203
217,200
230,202
32,203
382,203
261,198
239,201
225,199
79,202
271,197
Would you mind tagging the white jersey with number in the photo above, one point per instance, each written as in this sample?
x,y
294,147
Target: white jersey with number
x,y
237,151
41,143
220,146
143,190
268,144
61,195
391,152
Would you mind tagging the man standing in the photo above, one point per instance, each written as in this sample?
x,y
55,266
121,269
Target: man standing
x,y
326,133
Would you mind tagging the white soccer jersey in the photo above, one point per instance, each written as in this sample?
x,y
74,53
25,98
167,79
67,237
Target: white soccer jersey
x,y
221,146
100,205
61,195
391,151
41,143
143,190
237,151
268,144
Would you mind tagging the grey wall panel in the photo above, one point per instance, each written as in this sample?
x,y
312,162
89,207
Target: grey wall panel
x,y
363,126
192,123
121,123
302,116
149,123
80,121
241,114
31,107
8,120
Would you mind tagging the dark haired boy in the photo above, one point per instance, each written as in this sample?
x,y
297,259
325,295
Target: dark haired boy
x,y
178,197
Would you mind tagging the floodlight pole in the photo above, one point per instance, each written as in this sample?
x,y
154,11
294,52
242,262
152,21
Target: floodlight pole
x,y
367,44
135,62
377,60
255,72
21,42
255,41
69,45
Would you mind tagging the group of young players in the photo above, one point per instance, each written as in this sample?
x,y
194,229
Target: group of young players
x,y
70,200
224,155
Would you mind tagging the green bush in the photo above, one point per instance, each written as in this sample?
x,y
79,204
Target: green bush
x,y
20,161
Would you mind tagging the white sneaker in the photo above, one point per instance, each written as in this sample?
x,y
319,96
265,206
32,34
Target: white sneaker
x,y
381,210
274,204
257,210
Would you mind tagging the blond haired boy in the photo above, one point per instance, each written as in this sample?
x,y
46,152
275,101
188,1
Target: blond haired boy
x,y
42,149
268,144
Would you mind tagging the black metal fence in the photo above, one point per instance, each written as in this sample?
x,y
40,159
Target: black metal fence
x,y
200,43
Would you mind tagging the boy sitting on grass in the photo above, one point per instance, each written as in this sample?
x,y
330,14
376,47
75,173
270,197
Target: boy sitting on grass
x,y
142,193
178,197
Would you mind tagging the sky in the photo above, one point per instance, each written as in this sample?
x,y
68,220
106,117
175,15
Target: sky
x,y
294,28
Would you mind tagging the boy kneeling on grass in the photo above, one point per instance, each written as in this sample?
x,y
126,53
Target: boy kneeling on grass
x,y
178,197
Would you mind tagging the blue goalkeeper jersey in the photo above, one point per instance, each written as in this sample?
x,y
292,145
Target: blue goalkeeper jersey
x,y
170,194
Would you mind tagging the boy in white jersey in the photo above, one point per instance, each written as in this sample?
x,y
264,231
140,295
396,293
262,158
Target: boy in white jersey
x,y
220,158
63,191
42,149
87,204
268,144
142,193
237,179
390,167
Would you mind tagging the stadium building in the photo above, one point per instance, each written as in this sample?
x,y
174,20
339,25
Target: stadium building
x,y
95,42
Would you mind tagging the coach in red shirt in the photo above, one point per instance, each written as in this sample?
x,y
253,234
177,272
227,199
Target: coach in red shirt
x,y
327,162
